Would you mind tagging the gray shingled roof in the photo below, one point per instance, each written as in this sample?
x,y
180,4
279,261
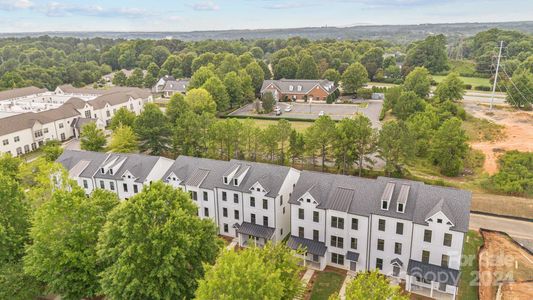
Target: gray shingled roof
x,y
283,85
362,196
139,165
255,230
69,109
184,168
70,158
27,120
21,92
433,272
310,246
271,177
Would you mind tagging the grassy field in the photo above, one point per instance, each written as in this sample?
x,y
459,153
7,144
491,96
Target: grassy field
x,y
299,126
482,130
326,284
474,81
470,266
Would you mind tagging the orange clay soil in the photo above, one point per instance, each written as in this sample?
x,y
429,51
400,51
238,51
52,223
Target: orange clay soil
x,y
518,131
500,261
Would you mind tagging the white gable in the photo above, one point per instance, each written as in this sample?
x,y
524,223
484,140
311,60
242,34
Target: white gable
x,y
308,198
440,218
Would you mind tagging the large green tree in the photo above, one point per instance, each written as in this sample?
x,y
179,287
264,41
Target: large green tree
x,y
254,273
234,87
450,89
372,60
153,130
322,134
123,140
408,104
449,147
418,81
154,246
286,68
14,219
191,134
175,107
64,235
372,286
123,117
430,53
92,138
200,77
200,101
217,90
520,90
307,68
394,146
257,74
354,78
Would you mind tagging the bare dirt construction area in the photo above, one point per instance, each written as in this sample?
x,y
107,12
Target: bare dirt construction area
x,y
517,132
505,268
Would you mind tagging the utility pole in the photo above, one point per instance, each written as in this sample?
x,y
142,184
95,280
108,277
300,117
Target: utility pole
x,y
496,76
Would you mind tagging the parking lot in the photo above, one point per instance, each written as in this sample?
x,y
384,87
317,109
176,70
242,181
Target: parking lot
x,y
370,108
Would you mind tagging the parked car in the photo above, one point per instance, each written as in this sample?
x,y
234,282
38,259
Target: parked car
x,y
321,113
278,112
288,108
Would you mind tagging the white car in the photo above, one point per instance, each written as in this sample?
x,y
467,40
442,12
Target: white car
x,y
276,108
288,108
321,113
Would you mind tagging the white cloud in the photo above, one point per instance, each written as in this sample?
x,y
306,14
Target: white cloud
x,y
56,9
15,4
205,6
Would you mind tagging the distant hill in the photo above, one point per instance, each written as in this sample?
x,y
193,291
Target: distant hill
x,y
395,33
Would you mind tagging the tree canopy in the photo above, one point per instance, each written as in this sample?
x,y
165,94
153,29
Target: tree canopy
x,y
271,272
154,246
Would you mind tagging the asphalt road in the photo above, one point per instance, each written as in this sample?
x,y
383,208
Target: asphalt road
x,y
515,228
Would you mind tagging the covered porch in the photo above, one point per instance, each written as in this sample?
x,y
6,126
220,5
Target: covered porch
x,y
431,280
313,253
253,234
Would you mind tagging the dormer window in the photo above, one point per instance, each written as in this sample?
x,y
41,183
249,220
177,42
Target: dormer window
x,y
236,182
225,180
299,88
111,171
387,195
102,170
400,207
291,87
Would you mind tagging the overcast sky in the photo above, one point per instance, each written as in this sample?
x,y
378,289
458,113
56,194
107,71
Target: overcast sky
x,y
178,15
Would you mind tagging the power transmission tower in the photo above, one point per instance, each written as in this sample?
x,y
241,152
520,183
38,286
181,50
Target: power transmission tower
x,y
496,76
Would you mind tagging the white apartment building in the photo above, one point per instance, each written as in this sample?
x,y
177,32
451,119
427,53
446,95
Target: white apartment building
x,y
408,230
25,132
123,174
247,200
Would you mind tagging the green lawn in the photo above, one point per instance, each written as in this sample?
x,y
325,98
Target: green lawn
x,y
326,284
469,267
474,81
299,126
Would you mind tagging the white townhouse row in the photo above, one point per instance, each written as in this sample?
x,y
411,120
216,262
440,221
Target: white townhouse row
x,y
25,132
408,230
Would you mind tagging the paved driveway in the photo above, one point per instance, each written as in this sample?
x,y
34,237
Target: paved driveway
x,y
311,111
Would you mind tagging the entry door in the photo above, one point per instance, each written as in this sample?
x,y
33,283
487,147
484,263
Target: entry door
x,y
353,265
395,271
